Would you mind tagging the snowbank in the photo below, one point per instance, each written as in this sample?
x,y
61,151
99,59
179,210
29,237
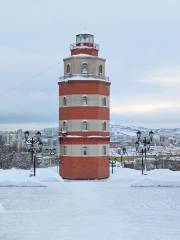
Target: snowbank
x,y
123,176
159,178
154,178
21,178
48,175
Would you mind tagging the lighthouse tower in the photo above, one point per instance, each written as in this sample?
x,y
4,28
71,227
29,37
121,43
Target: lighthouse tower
x,y
84,113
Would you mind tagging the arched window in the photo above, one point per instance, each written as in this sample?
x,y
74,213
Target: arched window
x,y
84,126
84,100
68,68
65,126
100,69
84,150
104,126
64,150
104,150
104,101
84,68
65,101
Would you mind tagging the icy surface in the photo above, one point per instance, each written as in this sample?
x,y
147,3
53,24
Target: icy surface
x,y
77,210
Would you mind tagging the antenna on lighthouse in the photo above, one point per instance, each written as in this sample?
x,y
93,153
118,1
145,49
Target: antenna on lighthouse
x,y
84,30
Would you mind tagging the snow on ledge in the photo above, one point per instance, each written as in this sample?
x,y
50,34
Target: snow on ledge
x,y
83,55
97,136
89,136
78,77
73,136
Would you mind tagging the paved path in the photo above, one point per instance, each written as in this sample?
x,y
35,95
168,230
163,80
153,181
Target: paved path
x,y
78,210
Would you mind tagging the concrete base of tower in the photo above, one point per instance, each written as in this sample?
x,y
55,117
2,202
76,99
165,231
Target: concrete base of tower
x,y
83,168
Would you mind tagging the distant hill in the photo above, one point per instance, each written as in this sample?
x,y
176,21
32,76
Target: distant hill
x,y
130,131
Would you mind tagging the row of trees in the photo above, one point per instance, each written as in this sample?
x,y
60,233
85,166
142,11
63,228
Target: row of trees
x,y
156,162
11,157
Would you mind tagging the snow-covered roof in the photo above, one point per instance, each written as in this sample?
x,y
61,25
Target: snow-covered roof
x,y
84,56
79,77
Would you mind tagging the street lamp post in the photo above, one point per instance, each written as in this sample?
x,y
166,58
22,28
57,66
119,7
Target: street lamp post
x,y
34,145
143,146
112,163
122,152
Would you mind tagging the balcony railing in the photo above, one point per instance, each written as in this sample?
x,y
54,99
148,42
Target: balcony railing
x,y
85,75
82,45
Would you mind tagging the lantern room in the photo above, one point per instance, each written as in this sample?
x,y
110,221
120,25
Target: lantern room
x,y
84,45
84,38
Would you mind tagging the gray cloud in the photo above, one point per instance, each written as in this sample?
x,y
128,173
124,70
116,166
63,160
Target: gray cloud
x,y
157,119
138,38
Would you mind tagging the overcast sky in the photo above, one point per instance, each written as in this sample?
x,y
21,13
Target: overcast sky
x,y
140,40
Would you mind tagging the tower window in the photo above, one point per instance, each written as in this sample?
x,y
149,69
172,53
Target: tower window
x,y
78,39
65,101
84,150
104,101
84,126
100,69
64,150
104,126
84,68
104,150
81,38
84,100
65,126
68,68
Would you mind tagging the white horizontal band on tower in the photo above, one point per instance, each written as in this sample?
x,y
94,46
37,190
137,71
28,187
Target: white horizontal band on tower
x,y
76,100
77,125
92,63
92,150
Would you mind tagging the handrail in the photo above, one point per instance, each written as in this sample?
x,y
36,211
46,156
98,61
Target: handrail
x,y
74,46
84,75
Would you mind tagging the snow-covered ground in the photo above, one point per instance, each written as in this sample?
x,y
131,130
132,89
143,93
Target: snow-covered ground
x,y
125,206
21,178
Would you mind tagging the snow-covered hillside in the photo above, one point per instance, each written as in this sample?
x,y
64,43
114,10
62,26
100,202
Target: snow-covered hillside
x,y
131,130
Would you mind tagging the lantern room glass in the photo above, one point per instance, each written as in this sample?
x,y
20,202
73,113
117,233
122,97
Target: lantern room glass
x,y
84,38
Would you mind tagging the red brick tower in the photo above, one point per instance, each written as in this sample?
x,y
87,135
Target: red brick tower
x,y
84,113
